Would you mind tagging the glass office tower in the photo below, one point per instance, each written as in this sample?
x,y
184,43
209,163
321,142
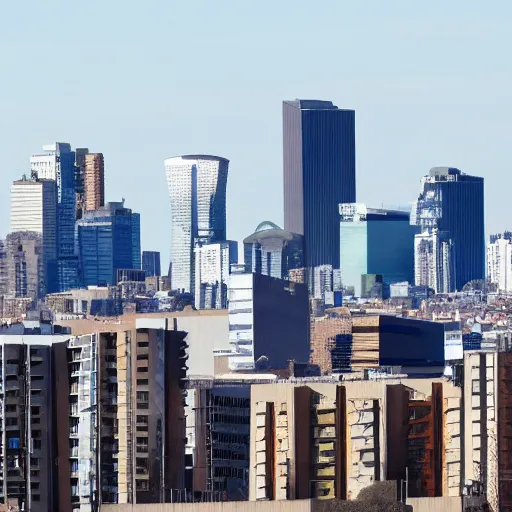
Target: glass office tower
x,y
375,241
105,244
57,163
319,174
450,248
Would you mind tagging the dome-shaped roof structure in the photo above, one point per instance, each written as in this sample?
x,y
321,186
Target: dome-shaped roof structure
x,y
266,224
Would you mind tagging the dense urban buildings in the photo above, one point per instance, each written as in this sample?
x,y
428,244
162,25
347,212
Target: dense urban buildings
x,y
213,262
108,240
94,181
499,262
450,247
151,263
337,365
34,209
272,251
319,174
197,190
375,241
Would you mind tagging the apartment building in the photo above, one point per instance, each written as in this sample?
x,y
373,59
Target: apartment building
x,y
110,429
328,440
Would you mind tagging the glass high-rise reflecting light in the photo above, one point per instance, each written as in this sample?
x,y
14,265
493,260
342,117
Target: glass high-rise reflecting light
x,y
105,244
375,241
319,174
57,163
450,248
197,190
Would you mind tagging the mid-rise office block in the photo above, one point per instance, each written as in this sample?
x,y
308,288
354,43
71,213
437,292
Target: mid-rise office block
x,y
416,346
319,174
272,251
94,181
197,189
375,241
34,209
499,263
25,265
450,248
106,244
268,322
213,262
151,263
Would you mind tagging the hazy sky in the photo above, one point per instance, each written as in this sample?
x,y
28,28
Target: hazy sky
x,y
431,83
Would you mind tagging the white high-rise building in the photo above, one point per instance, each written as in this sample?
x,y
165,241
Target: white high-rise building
x,y
499,263
433,261
197,190
34,209
212,263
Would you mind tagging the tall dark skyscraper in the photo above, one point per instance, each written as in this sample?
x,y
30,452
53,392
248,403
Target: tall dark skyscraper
x,y
319,166
450,248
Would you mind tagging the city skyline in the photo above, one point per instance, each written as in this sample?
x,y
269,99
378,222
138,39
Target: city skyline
x,y
415,108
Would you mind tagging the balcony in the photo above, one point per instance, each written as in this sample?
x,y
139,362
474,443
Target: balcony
x,y
73,452
111,364
142,448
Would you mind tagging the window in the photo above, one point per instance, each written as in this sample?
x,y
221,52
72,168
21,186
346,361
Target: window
x,y
142,382
143,369
142,485
143,344
142,420
143,357
37,444
35,411
142,396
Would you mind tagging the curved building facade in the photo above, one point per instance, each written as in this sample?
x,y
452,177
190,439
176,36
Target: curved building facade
x,y
272,251
197,190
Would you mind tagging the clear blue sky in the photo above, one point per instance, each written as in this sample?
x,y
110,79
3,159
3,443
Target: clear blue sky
x,y
431,83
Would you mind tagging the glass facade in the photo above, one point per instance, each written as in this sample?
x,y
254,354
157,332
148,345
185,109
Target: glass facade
x,y
273,251
375,241
105,244
137,263
450,214
58,163
197,190
151,263
319,174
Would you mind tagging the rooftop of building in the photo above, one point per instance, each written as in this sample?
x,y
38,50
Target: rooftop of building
x,y
129,321
198,156
268,230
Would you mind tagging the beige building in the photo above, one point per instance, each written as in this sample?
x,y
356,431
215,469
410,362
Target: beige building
x,y
328,440
94,182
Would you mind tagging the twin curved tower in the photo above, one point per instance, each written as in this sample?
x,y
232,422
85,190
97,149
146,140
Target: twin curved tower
x,y
197,190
